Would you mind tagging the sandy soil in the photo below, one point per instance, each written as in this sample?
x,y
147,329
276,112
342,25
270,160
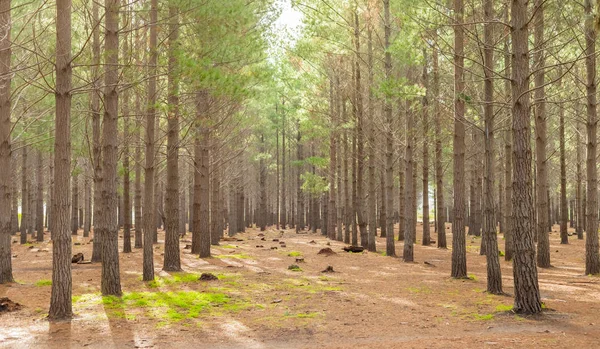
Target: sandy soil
x,y
371,301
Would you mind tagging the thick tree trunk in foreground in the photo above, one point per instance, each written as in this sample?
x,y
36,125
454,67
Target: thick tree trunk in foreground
x,y
372,206
60,299
527,293
201,233
6,175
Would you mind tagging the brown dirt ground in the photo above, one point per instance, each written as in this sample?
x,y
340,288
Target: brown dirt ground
x,y
371,301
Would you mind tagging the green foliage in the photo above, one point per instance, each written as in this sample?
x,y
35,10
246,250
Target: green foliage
x,y
43,282
314,184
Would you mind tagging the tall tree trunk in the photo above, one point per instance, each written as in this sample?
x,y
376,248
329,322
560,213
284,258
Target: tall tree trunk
x,y
149,220
426,231
283,168
459,253
215,216
527,292
332,214
440,208
543,247
96,145
138,184
564,235
578,198
494,273
60,299
372,205
39,221
409,188
300,198
592,258
6,170
74,204
24,197
347,193
172,260
262,174
360,190
87,224
109,229
201,233
388,198
508,154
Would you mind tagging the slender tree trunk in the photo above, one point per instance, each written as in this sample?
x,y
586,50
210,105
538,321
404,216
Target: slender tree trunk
x,y
39,222
201,233
409,188
439,171
372,205
592,257
508,154
578,198
426,231
543,247
527,293
564,235
6,175
284,215
494,273
459,253
347,193
96,145
138,184
388,198
87,224
215,221
300,198
60,299
262,221
74,203
109,229
172,260
149,220
24,196
332,214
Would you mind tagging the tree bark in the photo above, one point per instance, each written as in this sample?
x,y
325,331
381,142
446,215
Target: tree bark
x,y
527,293
440,208
109,229
60,299
172,260
592,257
543,247
6,170
494,273
149,219
96,131
388,198
459,253
39,221
426,231
24,197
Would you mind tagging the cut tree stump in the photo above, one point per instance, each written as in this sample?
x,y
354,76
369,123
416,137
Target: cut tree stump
x,y
208,277
7,306
329,269
77,258
326,251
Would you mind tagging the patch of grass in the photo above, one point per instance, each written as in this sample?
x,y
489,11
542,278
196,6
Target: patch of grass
x,y
228,246
306,315
175,279
295,254
294,267
423,289
473,277
383,253
501,253
233,255
503,308
483,317
43,282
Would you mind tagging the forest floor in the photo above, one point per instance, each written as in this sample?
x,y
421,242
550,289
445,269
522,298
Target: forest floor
x,y
370,301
